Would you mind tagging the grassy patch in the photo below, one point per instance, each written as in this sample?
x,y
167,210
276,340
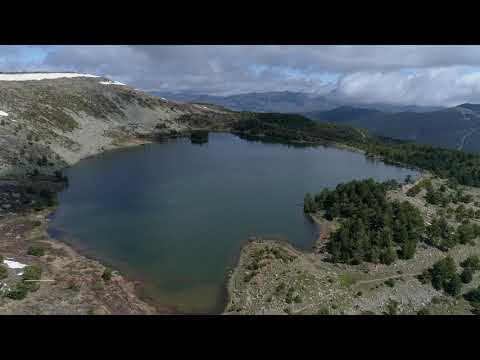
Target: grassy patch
x,y
3,272
348,279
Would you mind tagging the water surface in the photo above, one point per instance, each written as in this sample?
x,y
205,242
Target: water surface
x,y
176,214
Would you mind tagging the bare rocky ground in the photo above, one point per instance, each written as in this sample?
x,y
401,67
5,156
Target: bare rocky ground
x,y
274,278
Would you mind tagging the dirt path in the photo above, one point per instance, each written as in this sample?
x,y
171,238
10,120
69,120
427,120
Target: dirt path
x,y
362,282
464,138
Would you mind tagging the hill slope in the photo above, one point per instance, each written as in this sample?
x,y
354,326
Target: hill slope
x,y
51,120
454,128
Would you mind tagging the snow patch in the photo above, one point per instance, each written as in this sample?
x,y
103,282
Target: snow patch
x,y
112,83
13,264
3,113
41,76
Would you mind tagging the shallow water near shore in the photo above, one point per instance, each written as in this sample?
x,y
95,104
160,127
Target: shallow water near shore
x,y
175,215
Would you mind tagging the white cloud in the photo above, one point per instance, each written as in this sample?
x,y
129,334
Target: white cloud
x,y
446,86
406,74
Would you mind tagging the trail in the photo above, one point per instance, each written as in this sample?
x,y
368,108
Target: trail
x,y
386,278
462,141
361,282
471,131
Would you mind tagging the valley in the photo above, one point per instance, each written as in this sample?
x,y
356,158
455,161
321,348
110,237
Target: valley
x,y
49,126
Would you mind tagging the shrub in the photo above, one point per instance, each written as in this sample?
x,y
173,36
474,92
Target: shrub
x,y
3,272
444,277
472,262
323,311
424,311
392,307
19,292
473,296
36,251
280,287
390,283
32,272
107,274
30,276
466,275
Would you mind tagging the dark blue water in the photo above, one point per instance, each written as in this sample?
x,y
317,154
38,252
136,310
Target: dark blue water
x,y
176,214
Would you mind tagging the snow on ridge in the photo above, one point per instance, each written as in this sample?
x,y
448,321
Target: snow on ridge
x,y
13,264
112,83
41,76
3,113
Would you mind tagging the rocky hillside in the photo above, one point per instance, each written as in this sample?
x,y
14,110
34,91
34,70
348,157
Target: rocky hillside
x,y
51,120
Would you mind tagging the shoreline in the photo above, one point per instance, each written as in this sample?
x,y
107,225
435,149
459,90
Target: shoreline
x,y
226,292
121,284
74,282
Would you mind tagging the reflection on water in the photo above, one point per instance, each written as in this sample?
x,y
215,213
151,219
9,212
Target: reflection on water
x,y
176,214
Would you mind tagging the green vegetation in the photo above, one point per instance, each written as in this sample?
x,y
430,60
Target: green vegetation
x,y
424,311
472,262
348,279
443,276
292,296
467,275
262,256
48,198
390,283
443,236
392,307
309,205
324,310
461,167
294,128
280,287
28,283
473,296
30,276
107,274
19,292
3,272
372,228
470,266
36,251
415,190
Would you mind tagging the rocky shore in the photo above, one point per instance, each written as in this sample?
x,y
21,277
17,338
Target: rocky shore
x,y
69,283
272,277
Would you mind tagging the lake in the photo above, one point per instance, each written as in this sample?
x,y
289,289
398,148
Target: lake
x,y
175,215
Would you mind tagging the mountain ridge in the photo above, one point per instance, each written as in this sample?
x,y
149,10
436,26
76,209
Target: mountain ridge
x,y
283,101
59,121
457,127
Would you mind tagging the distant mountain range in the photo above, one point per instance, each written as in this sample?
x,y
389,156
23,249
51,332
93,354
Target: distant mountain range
x,y
456,128
283,102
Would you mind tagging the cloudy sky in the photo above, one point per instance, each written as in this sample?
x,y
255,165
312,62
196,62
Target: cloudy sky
x,y
414,75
